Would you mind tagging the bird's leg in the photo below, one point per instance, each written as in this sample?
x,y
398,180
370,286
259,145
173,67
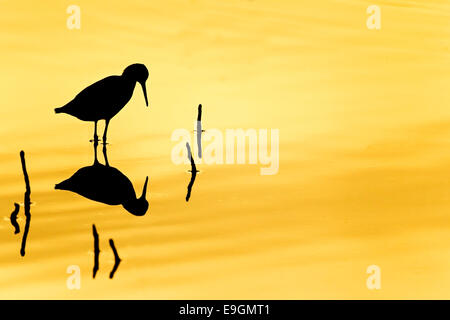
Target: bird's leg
x,y
95,133
105,155
95,153
106,130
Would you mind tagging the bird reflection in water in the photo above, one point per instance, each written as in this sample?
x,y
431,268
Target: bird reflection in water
x,y
106,184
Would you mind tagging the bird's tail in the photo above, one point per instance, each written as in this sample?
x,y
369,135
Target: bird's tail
x,y
64,185
59,110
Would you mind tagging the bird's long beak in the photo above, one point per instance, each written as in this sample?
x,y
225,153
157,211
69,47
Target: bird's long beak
x,y
144,190
145,93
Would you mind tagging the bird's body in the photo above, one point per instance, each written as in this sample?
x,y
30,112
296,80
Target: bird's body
x,y
103,99
106,184
100,183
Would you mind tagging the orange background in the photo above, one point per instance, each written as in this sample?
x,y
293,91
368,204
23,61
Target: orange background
x,y
364,124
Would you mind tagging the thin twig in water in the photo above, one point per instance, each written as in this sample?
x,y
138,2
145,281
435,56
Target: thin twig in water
x,y
13,218
96,251
199,131
193,172
116,258
27,203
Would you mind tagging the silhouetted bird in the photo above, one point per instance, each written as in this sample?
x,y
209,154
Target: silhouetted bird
x,y
105,98
103,183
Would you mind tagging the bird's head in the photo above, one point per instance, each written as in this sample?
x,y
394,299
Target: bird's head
x,y
138,72
139,206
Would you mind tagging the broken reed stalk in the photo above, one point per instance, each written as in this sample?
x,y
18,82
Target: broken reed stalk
x,y
117,259
27,203
193,171
13,218
96,251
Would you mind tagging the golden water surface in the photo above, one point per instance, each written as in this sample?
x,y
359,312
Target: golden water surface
x,y
364,120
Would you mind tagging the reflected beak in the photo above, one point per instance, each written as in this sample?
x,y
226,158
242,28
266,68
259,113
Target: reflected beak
x,y
145,93
144,190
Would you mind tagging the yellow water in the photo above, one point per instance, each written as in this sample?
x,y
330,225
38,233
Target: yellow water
x,y
364,124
